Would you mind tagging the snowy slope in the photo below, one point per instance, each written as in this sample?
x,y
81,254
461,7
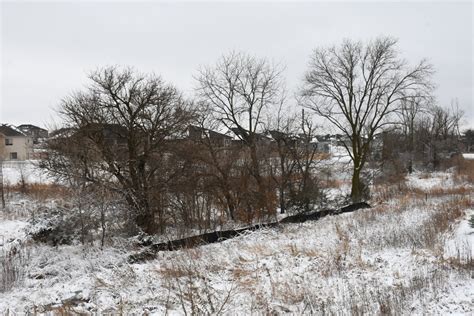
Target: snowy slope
x,y
389,259
14,171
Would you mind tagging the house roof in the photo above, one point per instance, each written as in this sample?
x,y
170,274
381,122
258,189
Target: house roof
x,y
205,131
258,136
8,130
30,127
62,132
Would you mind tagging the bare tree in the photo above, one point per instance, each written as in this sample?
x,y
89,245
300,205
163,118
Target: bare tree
x,y
445,121
104,203
306,189
241,88
219,159
442,132
124,122
411,109
469,139
356,88
284,132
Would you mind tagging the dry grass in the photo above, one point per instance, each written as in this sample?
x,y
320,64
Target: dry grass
x,y
40,191
321,156
463,262
426,233
311,253
190,287
384,192
287,293
332,183
245,277
32,199
292,249
465,171
13,265
442,221
439,191
443,208
403,193
240,273
174,271
43,192
342,250
259,250
193,277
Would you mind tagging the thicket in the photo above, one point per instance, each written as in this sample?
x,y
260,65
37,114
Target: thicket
x,y
237,151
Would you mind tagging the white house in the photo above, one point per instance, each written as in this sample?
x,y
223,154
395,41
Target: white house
x,y
14,145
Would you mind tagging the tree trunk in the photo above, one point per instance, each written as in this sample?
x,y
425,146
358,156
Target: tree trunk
x,y
230,205
103,226
356,190
412,148
282,200
145,218
262,197
283,179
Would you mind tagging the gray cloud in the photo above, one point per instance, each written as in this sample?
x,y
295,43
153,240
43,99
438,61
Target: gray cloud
x,y
47,48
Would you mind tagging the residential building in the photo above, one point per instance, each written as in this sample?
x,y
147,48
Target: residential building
x,y
36,133
219,139
14,145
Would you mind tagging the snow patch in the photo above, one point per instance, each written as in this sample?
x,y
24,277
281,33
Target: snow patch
x,y
468,156
14,171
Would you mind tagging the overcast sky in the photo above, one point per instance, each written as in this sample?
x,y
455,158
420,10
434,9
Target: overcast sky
x,y
47,48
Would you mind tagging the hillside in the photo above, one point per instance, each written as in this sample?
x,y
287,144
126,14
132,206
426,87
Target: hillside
x,y
410,254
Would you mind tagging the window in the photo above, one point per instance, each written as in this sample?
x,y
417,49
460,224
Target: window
x,y
8,141
13,156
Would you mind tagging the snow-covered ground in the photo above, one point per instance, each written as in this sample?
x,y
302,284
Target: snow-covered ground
x,y
14,171
395,258
429,181
469,156
461,242
10,231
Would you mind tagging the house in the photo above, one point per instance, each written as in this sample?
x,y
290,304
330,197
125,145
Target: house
x,y
14,145
196,133
90,138
36,133
260,138
114,135
323,143
295,140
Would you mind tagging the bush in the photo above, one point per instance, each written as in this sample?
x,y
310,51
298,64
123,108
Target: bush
x,y
56,227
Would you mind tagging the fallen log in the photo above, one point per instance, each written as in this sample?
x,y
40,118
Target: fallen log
x,y
207,238
313,216
218,236
309,216
354,207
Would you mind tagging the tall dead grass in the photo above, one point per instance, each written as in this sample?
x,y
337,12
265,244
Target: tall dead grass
x,y
465,171
190,288
13,264
40,191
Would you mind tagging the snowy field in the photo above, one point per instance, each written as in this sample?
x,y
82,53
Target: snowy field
x,y
468,156
15,171
410,254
